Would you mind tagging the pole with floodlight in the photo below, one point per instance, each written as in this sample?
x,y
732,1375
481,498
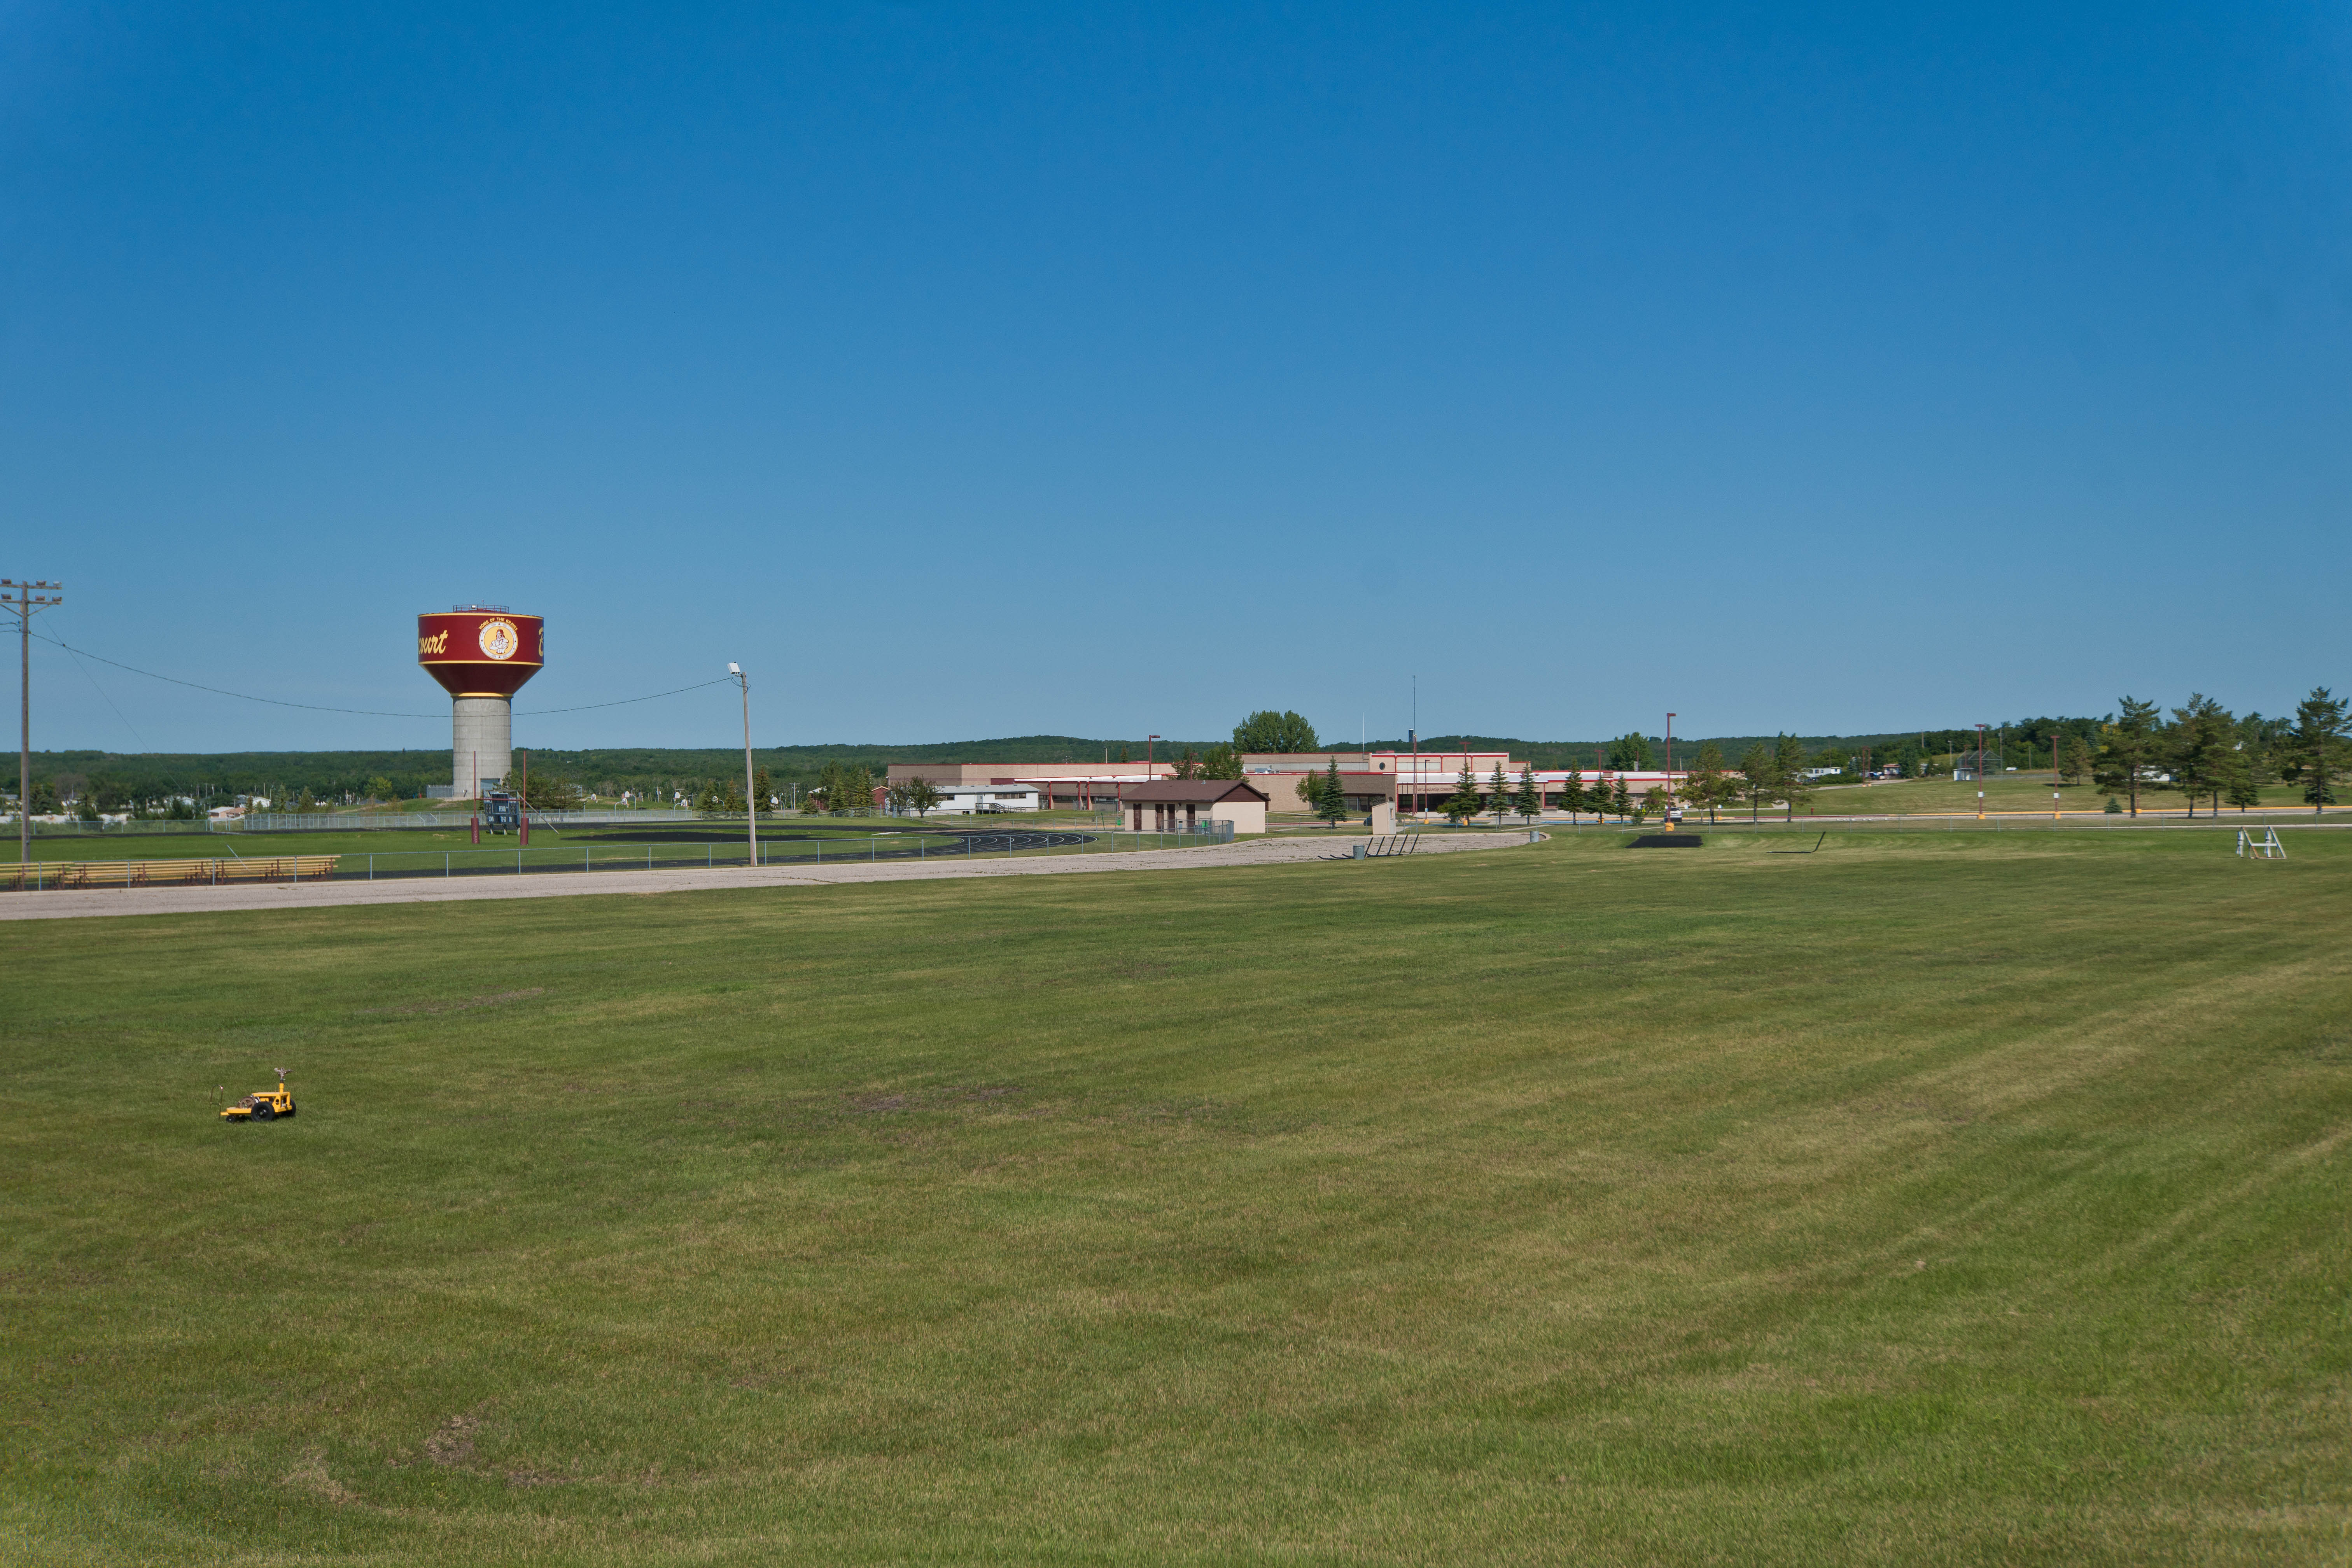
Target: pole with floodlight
x,y
751,801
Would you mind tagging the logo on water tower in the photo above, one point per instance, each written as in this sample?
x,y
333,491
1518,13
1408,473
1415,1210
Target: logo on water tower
x,y
500,640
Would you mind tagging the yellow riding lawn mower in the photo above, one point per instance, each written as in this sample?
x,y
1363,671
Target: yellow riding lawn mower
x,y
267,1106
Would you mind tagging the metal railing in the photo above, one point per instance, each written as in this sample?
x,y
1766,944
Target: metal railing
x,y
346,822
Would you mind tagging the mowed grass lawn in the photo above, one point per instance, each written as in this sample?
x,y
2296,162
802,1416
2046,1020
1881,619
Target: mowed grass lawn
x,y
1942,1197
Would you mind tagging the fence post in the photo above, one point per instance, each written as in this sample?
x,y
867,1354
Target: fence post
x,y
873,846
444,862
370,868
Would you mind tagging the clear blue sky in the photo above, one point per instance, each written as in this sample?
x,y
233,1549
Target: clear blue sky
x,y
987,370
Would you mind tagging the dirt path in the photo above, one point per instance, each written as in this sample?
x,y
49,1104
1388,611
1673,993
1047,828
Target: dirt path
x,y
99,901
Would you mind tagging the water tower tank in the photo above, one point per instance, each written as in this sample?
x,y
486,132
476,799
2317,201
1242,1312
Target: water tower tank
x,y
481,653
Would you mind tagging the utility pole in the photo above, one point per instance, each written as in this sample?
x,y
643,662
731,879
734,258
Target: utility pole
x,y
29,602
751,801
1670,750
1980,809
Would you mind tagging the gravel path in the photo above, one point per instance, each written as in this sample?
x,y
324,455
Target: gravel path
x,y
556,884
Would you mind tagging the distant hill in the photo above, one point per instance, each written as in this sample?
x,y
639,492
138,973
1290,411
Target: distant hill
x,y
117,776
329,774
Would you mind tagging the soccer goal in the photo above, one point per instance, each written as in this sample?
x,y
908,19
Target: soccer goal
x,y
2266,847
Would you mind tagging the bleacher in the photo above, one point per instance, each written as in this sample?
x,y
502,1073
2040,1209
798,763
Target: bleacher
x,y
47,875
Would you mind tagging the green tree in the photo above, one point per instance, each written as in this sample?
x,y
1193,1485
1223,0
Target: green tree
x,y
1188,766
832,784
2241,787
2128,747
1528,803
1621,799
1571,792
1789,773
2203,747
1267,730
2074,759
1331,803
762,792
1222,763
1499,793
1630,750
1655,799
380,788
1756,777
2317,746
1704,787
1464,803
923,797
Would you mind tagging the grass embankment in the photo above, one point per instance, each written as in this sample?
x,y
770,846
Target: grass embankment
x,y
1965,1198
2023,792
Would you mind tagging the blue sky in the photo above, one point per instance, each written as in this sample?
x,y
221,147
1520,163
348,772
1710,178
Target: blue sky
x,y
975,371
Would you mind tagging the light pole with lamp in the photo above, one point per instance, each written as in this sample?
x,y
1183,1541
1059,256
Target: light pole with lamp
x,y
1981,804
1674,814
751,801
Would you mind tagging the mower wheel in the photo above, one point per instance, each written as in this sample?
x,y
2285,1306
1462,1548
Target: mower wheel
x,y
263,1113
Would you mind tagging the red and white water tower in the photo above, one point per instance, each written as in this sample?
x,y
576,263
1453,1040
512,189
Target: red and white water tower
x,y
481,655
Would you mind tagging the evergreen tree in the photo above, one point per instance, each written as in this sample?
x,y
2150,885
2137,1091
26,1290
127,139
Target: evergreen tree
x,y
834,785
1704,786
761,790
1789,773
1756,777
2074,759
2318,745
1529,801
1621,799
1499,793
1571,792
2203,742
2126,747
1333,803
1464,803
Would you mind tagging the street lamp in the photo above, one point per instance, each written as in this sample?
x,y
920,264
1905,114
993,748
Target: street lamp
x,y
751,801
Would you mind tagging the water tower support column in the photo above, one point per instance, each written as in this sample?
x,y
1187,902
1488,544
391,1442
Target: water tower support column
x,y
482,742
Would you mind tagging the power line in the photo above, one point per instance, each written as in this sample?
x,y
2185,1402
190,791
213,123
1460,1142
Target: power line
x,y
320,708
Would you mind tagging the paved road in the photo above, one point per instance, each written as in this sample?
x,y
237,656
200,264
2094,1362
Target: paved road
x,y
99,901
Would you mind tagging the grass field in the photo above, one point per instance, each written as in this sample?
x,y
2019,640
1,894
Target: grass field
x,y
2023,792
1960,1198
405,852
